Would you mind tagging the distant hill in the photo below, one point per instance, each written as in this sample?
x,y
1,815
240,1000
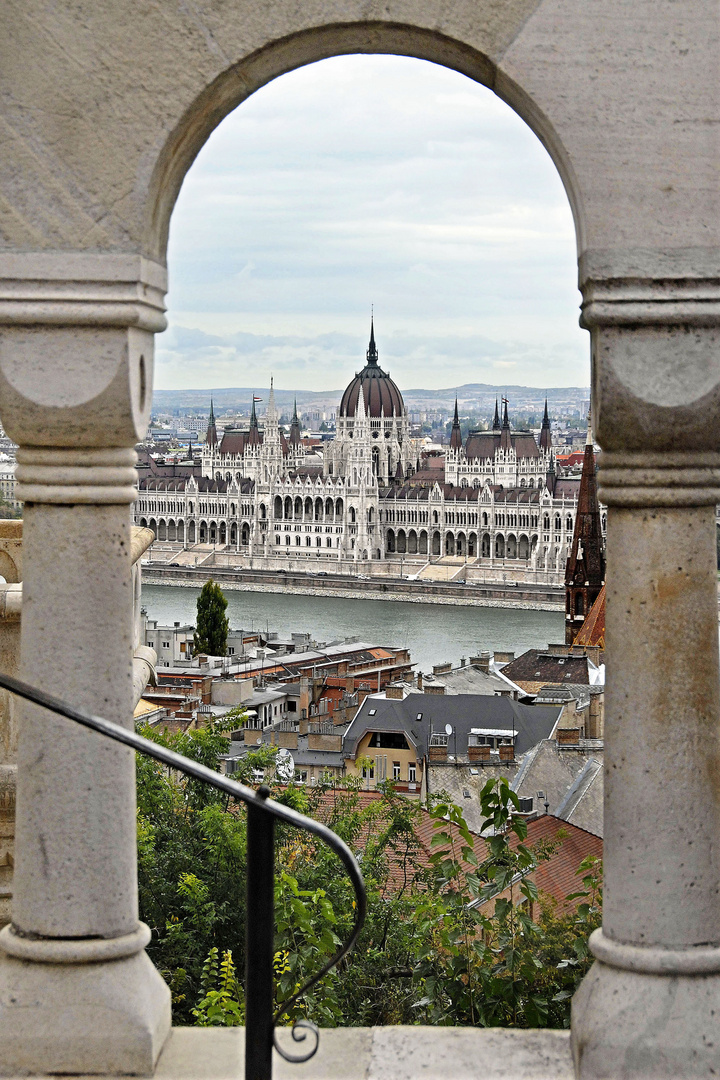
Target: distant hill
x,y
470,396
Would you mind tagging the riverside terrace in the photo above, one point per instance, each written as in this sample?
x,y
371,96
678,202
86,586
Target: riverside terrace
x,y
104,108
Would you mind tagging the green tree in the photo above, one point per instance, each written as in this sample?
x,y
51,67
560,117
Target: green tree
x,y
212,623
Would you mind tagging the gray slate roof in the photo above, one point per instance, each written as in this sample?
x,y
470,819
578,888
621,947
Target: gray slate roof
x,y
463,712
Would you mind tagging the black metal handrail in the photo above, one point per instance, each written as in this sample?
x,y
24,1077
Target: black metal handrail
x,y
259,995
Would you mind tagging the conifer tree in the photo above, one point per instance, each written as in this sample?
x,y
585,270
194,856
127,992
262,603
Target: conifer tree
x,y
212,624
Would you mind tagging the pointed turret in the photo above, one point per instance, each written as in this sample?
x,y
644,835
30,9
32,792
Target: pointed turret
x,y
585,568
496,420
455,436
505,438
372,353
253,417
295,437
211,438
271,416
545,432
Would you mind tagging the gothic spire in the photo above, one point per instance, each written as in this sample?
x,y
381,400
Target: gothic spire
x,y
496,421
295,427
456,437
585,569
505,439
372,354
545,433
253,416
211,436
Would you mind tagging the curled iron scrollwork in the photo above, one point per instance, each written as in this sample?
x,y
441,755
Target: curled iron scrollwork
x,y
299,1033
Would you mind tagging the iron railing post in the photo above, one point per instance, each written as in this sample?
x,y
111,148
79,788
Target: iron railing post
x,y
259,942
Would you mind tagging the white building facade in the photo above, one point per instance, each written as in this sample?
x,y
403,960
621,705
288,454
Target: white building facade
x,y
265,496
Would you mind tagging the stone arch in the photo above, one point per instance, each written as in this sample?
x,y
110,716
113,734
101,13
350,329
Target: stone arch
x,y
287,507
329,508
401,542
298,508
308,509
318,509
485,546
191,532
436,542
245,534
500,546
472,545
181,532
203,533
460,544
423,542
412,542
277,508
390,541
523,547
338,508
294,45
450,543
223,533
511,550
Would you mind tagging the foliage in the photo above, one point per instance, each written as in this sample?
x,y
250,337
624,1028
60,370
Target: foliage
x,y
455,942
484,959
212,623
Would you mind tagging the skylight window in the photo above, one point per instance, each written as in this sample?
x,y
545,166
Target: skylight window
x,y
372,712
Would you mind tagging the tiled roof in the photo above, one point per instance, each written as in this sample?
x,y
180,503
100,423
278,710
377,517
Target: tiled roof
x,y
592,631
536,666
556,878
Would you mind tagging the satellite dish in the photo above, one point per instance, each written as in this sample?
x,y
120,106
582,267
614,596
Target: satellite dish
x,y
284,766
448,729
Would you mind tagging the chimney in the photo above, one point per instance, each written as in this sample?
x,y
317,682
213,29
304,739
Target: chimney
x,y
394,690
442,669
507,753
419,680
504,657
462,661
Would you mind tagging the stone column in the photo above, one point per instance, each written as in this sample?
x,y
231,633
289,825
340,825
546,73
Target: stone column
x,y
650,1006
75,392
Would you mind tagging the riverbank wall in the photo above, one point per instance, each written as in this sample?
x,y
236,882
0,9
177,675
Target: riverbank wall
x,y
526,596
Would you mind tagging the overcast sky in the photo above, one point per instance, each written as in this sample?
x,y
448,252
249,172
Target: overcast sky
x,y
372,180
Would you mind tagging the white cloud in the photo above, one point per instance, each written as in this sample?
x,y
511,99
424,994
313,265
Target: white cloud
x,y
364,180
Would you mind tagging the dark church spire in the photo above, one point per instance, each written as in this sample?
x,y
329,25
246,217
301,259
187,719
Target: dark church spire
x,y
505,439
295,427
211,436
585,569
496,421
253,417
372,354
456,437
545,433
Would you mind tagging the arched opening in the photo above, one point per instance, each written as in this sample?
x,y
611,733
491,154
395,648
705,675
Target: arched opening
x,y
401,542
500,547
390,542
485,546
277,508
436,542
191,532
450,544
423,545
245,534
412,542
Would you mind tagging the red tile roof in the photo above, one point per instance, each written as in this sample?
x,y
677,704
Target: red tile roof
x,y
557,877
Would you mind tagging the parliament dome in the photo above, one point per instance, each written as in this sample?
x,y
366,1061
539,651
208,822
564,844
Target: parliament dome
x,y
381,395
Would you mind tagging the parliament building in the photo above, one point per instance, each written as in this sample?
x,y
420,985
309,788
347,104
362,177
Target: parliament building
x,y
495,503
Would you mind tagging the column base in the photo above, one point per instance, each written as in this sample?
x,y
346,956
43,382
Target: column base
x,y
643,1025
97,1018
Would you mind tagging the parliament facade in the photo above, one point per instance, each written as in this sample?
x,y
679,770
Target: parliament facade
x,y
494,502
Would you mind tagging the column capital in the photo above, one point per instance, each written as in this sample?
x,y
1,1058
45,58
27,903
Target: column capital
x,y
651,479
82,289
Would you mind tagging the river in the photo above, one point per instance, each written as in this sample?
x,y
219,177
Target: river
x,y
432,632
